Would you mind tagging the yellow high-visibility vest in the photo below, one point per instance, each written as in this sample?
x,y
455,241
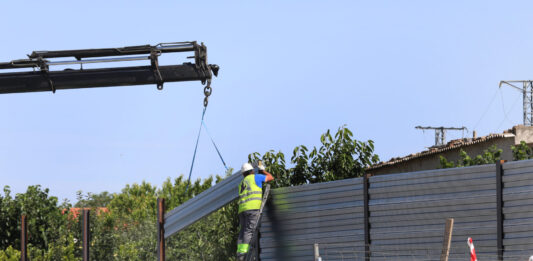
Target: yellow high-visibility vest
x,y
250,195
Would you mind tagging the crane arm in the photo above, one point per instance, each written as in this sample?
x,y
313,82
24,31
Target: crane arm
x,y
43,78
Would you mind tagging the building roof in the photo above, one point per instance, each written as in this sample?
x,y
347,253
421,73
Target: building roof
x,y
453,144
75,212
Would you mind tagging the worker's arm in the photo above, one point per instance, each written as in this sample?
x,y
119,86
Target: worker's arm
x,y
269,176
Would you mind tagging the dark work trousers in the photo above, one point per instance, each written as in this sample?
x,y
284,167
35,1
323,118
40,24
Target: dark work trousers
x,y
247,222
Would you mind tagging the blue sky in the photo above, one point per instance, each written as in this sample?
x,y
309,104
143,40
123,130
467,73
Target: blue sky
x,y
290,70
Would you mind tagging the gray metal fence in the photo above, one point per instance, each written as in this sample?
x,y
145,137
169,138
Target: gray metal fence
x,y
518,209
408,212
493,204
330,214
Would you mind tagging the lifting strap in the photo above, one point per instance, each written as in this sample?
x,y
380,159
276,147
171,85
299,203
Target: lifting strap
x,y
195,148
213,141
202,123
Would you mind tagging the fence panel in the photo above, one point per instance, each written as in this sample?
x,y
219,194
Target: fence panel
x,y
330,214
408,212
518,209
202,205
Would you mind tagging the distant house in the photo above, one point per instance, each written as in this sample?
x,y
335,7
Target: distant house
x,y
430,159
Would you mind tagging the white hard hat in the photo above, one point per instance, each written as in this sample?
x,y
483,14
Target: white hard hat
x,y
246,167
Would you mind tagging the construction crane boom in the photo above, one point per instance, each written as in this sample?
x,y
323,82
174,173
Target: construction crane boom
x,y
43,78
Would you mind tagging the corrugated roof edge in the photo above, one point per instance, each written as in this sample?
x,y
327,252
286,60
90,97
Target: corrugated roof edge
x,y
454,144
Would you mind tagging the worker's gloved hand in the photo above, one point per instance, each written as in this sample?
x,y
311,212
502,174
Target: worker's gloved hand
x,y
260,166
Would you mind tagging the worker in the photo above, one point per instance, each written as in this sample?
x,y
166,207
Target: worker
x,y
250,198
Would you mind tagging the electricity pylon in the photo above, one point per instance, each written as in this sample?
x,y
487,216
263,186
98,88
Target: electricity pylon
x,y
440,133
527,96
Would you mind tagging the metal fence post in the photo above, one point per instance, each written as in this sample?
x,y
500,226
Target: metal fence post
x,y
86,234
161,229
366,210
499,208
23,239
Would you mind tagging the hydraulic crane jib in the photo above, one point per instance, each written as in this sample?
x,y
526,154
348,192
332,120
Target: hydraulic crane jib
x,y
44,79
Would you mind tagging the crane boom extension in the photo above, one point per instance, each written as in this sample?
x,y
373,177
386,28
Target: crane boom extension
x,y
44,79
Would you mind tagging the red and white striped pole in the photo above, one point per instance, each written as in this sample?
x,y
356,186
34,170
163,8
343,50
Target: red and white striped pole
x,y
472,250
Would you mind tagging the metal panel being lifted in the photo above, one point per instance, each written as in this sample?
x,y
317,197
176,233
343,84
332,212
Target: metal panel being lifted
x,y
202,205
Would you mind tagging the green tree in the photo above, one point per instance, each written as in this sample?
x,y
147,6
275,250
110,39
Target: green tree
x,y
9,220
91,200
10,254
489,156
338,157
48,233
43,214
211,238
522,151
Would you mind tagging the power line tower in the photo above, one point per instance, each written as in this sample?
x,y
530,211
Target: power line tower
x,y
440,133
527,93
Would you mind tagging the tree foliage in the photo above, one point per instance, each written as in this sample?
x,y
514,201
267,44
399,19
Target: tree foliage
x,y
522,151
92,200
491,155
49,233
339,156
128,232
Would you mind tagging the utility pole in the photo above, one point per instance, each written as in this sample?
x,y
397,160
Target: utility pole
x,y
440,133
527,96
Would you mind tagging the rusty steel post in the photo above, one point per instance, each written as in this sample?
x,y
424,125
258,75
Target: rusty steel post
x,y
86,234
161,229
23,239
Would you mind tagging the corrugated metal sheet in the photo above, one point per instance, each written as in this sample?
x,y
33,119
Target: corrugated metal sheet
x,y
518,209
408,212
202,205
330,214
